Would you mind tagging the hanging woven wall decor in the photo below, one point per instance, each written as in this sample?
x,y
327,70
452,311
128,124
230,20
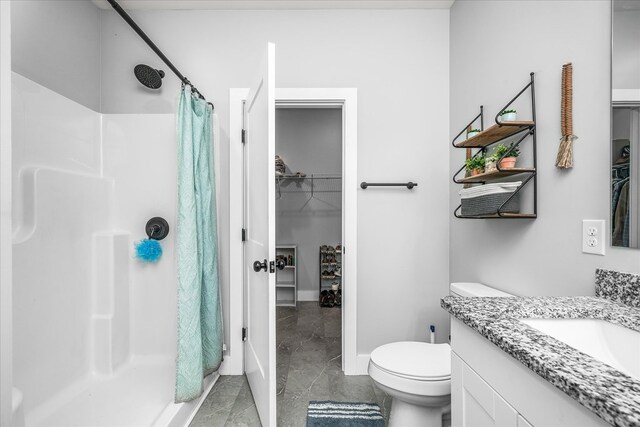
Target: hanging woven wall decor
x,y
565,152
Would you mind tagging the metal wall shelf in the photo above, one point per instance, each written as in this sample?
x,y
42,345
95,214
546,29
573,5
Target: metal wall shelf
x,y
308,184
494,134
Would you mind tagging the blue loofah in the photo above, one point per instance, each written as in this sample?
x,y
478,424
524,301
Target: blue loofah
x,y
148,250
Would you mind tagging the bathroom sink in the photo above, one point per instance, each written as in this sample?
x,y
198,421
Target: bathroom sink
x,y
615,345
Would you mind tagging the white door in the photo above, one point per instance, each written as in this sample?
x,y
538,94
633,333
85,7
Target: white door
x,y
260,291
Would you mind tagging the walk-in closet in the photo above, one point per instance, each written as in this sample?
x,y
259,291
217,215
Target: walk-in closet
x,y
308,243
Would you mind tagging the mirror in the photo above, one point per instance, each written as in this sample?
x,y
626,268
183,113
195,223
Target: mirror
x,y
625,124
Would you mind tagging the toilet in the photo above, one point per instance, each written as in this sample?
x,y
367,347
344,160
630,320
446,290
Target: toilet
x,y
417,375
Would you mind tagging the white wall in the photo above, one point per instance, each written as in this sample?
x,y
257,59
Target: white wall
x,y
541,256
309,140
626,49
57,44
398,60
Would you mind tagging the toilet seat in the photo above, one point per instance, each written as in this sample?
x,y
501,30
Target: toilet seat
x,y
413,367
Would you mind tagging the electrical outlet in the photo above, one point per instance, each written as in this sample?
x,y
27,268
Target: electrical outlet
x,y
593,236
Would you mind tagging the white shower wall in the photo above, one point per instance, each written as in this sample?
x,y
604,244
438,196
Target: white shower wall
x,y
94,329
139,153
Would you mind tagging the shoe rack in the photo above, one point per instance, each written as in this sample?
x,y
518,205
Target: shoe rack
x,y
330,284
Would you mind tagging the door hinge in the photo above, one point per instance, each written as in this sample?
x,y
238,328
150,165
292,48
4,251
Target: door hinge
x,y
244,136
244,334
272,267
244,234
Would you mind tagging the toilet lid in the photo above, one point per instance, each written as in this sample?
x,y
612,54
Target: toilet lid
x,y
416,360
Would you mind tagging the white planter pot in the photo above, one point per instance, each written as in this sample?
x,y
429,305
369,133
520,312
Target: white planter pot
x,y
509,117
490,166
472,134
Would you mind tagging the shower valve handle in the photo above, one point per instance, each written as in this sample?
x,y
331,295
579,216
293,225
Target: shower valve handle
x,y
257,266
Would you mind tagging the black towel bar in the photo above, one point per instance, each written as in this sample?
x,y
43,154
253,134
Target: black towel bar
x,y
409,184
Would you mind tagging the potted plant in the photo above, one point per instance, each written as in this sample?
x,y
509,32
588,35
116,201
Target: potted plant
x,y
508,116
475,165
490,163
472,132
507,154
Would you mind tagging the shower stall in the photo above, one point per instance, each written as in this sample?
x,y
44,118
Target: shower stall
x,y
94,330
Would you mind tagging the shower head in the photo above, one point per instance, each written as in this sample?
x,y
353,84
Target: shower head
x,y
150,77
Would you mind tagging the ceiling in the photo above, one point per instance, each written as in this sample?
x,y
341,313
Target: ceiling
x,y
276,4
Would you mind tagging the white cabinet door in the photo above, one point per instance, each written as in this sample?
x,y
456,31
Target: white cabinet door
x,y
474,403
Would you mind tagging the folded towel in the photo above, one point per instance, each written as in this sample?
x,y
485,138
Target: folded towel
x,y
484,190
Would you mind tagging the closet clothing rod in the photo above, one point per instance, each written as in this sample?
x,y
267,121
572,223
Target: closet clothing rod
x,y
185,81
409,184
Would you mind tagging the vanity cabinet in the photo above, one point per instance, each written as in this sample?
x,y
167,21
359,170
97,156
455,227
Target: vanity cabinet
x,y
476,402
491,388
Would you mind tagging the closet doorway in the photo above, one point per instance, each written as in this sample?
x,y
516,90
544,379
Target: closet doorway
x,y
342,101
308,211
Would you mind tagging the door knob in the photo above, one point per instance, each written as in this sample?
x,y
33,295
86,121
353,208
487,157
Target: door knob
x,y
280,264
257,266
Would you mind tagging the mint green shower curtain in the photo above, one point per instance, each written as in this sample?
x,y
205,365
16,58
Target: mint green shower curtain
x,y
199,313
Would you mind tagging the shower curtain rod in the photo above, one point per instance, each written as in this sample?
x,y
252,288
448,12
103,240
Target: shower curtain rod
x,y
114,4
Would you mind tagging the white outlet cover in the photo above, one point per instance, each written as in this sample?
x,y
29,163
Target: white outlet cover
x,y
593,236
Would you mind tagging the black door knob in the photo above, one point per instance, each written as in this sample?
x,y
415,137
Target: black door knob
x,y
280,264
257,266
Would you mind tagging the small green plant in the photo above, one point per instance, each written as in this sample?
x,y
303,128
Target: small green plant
x,y
473,130
507,112
475,163
503,151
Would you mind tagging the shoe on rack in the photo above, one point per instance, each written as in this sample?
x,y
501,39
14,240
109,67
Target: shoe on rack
x,y
331,299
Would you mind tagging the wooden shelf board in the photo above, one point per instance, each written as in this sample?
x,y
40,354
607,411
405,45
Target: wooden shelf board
x,y
504,215
494,134
496,174
289,266
286,286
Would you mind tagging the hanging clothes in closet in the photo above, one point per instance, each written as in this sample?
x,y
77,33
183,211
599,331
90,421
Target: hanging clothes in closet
x,y
620,206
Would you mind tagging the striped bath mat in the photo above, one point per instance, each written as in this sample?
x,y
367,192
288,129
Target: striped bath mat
x,y
343,414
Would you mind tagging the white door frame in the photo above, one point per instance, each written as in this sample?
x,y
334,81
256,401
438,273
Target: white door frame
x,y
6,286
347,100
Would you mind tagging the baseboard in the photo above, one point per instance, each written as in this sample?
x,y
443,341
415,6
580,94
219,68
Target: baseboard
x,y
232,365
362,364
307,295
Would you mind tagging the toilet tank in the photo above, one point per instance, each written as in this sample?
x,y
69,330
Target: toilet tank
x,y
471,289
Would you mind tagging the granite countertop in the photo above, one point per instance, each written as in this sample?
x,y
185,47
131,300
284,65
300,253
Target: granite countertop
x,y
609,393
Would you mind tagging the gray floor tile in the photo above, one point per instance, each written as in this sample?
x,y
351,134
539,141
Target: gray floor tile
x,y
308,367
244,412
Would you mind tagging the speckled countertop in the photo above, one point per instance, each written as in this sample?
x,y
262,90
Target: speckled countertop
x,y
609,393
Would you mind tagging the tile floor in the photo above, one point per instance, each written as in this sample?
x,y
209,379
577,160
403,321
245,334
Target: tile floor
x,y
309,347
